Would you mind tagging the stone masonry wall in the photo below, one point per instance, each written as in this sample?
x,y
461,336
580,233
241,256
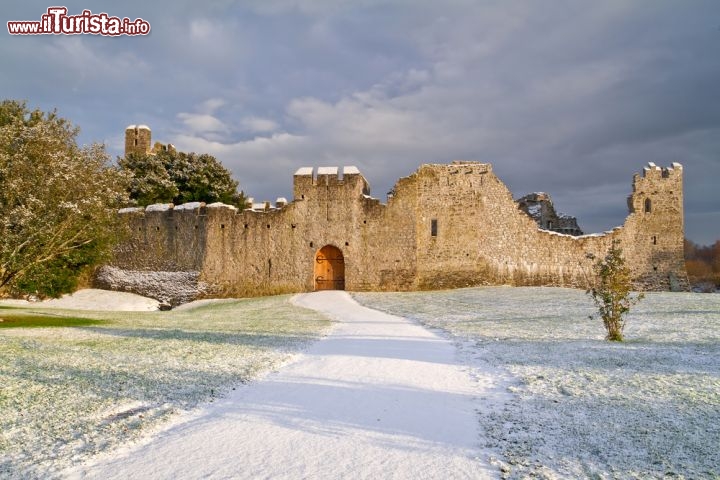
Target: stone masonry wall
x,y
444,226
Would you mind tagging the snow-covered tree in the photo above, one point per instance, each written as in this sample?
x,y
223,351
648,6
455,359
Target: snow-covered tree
x,y
58,202
150,180
177,177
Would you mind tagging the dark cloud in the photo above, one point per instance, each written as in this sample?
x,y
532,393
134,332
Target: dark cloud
x,y
571,98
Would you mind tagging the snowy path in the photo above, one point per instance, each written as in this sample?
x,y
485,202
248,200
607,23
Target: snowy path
x,y
379,398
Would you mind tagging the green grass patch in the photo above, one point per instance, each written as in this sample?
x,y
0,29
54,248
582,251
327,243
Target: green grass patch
x,y
14,320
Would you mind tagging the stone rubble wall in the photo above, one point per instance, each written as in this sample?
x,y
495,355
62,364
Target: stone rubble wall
x,y
173,288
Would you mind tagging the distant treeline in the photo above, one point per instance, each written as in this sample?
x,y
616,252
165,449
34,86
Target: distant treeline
x,y
703,263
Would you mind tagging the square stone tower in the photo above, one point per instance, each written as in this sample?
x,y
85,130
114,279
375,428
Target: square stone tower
x,y
137,139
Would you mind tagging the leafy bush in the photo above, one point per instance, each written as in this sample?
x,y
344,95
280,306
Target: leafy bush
x,y
611,292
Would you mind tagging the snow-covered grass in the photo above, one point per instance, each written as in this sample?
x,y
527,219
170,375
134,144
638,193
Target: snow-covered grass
x,y
68,393
578,406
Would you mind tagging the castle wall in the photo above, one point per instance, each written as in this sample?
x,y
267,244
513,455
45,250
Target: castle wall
x,y
444,226
482,238
162,238
274,251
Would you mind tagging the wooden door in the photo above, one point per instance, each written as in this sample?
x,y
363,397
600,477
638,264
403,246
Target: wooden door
x,y
329,269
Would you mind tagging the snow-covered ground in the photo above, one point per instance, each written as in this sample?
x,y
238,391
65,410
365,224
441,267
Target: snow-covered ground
x,y
511,382
92,299
379,397
581,407
69,393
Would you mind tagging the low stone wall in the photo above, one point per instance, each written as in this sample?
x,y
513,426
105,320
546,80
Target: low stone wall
x,y
174,288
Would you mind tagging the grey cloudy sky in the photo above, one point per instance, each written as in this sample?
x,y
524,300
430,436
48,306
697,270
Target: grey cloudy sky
x,y
567,97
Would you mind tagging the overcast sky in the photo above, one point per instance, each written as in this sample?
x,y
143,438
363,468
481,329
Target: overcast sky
x,y
567,97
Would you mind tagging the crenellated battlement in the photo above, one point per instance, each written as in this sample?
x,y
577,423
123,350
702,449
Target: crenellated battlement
x,y
653,171
657,189
305,181
654,176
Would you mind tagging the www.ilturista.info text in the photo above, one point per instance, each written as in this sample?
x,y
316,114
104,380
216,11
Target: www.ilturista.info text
x,y
57,22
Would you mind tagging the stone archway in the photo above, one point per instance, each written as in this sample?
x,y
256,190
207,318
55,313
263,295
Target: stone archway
x,y
329,270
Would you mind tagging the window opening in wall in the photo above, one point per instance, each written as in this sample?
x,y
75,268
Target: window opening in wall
x,y
136,142
269,267
648,205
222,226
311,244
347,244
654,239
433,227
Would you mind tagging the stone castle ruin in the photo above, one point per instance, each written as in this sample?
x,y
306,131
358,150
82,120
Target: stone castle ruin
x,y
138,141
444,226
540,207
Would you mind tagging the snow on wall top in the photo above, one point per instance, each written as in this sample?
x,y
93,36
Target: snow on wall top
x,y
139,127
189,206
165,207
304,171
159,207
327,171
664,171
220,205
346,170
131,209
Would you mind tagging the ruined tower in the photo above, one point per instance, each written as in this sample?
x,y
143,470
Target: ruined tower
x,y
654,239
137,139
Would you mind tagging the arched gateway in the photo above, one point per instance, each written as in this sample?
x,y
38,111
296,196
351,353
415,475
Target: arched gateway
x,y
329,269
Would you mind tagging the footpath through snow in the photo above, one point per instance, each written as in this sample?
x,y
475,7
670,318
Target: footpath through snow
x,y
379,398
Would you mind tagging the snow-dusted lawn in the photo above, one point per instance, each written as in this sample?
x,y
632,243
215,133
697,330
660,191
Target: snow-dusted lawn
x,y
380,397
66,393
580,407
